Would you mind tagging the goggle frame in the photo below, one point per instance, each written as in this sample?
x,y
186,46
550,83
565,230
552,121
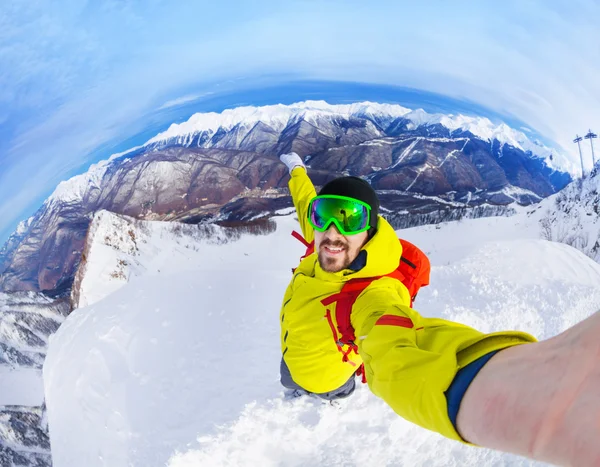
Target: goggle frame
x,y
335,221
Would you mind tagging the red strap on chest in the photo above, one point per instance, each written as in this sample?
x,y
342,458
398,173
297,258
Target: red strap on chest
x,y
345,299
298,236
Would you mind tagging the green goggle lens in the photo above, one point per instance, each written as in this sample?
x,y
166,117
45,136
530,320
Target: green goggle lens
x,y
349,215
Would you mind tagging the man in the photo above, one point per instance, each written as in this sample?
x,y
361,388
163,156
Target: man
x,y
422,367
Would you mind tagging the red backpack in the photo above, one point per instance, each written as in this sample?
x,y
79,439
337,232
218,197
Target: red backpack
x,y
413,271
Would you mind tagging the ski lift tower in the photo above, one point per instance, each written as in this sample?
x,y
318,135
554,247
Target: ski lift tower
x,y
591,137
578,140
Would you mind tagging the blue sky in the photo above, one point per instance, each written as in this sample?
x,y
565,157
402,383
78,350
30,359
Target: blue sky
x,y
79,78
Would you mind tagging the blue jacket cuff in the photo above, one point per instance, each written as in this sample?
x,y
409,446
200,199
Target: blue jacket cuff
x,y
461,382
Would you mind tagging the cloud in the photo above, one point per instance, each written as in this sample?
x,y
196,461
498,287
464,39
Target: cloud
x,y
183,100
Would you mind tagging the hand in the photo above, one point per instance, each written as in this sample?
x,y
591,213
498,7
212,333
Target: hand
x,y
292,160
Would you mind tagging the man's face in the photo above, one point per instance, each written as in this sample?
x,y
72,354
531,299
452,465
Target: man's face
x,y
336,251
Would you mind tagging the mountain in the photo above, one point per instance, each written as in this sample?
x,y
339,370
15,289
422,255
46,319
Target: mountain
x,y
27,320
224,167
11,245
24,438
175,362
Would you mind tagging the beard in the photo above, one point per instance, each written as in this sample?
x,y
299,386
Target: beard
x,y
337,263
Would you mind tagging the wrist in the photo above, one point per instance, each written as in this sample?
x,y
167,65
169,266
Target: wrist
x,y
494,412
302,167
291,161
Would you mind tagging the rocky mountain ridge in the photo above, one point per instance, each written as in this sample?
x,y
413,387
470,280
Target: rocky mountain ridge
x,y
224,167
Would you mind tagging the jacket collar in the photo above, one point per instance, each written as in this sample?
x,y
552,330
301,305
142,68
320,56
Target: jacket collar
x,y
359,262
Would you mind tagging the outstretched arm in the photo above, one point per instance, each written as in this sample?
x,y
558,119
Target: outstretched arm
x,y
541,400
412,362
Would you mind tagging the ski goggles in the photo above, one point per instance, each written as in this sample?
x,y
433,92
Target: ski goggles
x,y
349,215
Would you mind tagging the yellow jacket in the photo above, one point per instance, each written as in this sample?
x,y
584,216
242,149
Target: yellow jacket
x,y
409,360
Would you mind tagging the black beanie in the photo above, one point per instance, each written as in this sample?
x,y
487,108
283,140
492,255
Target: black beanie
x,y
356,188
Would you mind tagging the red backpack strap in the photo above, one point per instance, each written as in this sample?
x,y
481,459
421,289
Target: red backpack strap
x,y
310,246
299,237
413,272
345,300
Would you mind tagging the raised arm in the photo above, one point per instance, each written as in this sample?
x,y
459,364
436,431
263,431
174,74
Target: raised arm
x,y
302,191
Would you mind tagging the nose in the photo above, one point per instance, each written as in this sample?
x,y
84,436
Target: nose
x,y
332,231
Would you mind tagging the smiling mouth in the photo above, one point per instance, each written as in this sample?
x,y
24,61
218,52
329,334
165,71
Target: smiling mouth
x,y
333,250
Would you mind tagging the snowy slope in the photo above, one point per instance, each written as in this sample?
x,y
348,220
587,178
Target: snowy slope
x,y
572,216
120,249
21,386
485,129
180,367
24,439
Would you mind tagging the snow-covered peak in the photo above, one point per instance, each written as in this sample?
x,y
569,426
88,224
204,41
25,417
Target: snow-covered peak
x,y
279,115
485,129
75,188
119,154
276,116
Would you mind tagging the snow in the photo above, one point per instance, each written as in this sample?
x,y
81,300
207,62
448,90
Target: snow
x,y
21,386
572,216
157,386
485,129
407,151
180,367
120,251
119,154
23,226
74,189
516,192
278,116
